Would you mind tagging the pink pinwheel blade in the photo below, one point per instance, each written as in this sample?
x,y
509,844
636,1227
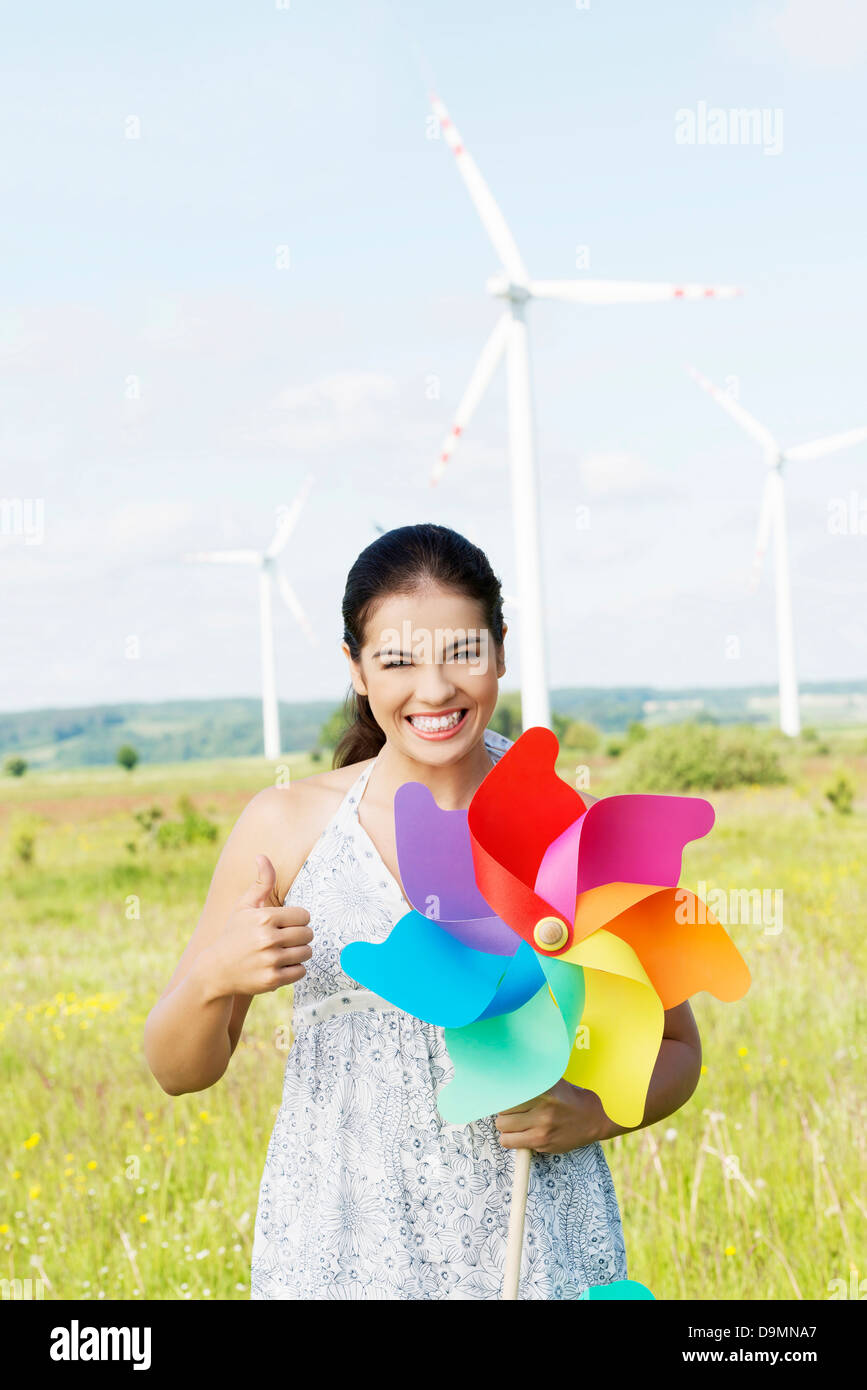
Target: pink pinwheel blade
x,y
639,838
557,879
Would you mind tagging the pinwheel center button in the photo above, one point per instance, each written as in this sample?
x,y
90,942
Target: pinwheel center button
x,y
550,933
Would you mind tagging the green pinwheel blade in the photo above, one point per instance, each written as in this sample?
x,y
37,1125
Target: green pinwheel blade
x,y
502,1061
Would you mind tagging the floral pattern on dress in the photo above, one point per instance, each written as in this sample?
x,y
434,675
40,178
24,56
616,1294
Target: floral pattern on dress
x,y
366,1192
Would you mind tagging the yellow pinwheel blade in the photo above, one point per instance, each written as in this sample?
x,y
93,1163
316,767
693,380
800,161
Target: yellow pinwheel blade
x,y
618,1041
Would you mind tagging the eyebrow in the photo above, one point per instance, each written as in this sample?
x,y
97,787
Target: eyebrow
x,y
394,651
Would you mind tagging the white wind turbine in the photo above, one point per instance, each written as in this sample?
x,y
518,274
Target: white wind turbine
x,y
514,286
772,519
269,574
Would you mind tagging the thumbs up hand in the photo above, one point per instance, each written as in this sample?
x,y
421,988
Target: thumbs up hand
x,y
262,945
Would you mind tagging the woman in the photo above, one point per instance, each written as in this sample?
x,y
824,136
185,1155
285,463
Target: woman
x,y
366,1193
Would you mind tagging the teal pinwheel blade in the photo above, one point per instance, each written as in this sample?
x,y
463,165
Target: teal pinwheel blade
x,y
619,1289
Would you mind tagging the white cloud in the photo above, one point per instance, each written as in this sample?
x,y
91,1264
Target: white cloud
x,y
620,473
343,408
820,33
140,525
338,394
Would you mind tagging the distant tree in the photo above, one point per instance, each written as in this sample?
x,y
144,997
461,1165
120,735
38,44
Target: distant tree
x,y
15,767
127,756
582,735
506,718
333,727
561,723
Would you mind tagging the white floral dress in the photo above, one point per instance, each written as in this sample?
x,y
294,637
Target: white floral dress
x,y
366,1192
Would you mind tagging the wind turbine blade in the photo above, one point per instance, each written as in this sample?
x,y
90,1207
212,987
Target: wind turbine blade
x,y
493,220
287,525
818,448
292,603
763,533
737,412
482,373
625,291
224,557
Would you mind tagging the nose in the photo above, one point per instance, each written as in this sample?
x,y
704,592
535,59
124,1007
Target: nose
x,y
433,687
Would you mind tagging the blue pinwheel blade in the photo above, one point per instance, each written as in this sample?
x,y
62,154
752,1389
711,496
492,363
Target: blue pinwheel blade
x,y
425,971
522,980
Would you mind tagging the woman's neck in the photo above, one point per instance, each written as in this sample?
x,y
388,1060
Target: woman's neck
x,y
452,785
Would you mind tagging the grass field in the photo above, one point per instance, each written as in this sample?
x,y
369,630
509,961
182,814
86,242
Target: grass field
x,y
110,1188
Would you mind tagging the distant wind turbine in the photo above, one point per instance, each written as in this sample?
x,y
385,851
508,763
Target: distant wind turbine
x,y
269,574
509,337
772,519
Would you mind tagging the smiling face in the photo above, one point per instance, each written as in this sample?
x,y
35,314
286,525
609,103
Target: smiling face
x,y
430,669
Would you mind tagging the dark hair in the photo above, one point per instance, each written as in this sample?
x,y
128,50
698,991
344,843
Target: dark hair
x,y
400,562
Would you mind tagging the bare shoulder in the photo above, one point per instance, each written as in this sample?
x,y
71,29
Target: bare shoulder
x,y
288,820
303,797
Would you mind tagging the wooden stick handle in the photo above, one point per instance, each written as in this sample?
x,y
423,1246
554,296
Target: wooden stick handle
x,y
515,1239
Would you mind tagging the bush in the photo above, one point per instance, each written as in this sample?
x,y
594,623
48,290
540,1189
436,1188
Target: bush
x,y
684,757
22,837
148,821
191,829
127,756
15,767
841,793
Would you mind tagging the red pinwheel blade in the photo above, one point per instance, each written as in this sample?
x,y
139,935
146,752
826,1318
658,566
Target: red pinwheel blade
x,y
519,809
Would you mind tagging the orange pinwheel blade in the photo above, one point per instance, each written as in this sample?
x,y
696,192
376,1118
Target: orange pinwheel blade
x,y
683,947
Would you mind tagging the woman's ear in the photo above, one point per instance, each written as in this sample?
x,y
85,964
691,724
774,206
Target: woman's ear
x,y
501,655
354,673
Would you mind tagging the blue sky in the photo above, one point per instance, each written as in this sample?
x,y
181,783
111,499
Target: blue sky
x,y
152,261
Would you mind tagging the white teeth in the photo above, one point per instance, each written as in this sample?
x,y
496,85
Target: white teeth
x,y
432,726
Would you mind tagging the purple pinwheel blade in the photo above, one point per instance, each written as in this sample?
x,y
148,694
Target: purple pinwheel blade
x,y
436,867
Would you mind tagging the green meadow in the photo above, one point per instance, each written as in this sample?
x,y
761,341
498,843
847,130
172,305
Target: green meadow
x,y
111,1189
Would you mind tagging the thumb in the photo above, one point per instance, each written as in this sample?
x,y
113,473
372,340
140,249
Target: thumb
x,y
262,886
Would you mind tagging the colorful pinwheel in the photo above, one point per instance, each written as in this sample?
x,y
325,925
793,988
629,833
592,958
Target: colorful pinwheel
x,y
546,938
